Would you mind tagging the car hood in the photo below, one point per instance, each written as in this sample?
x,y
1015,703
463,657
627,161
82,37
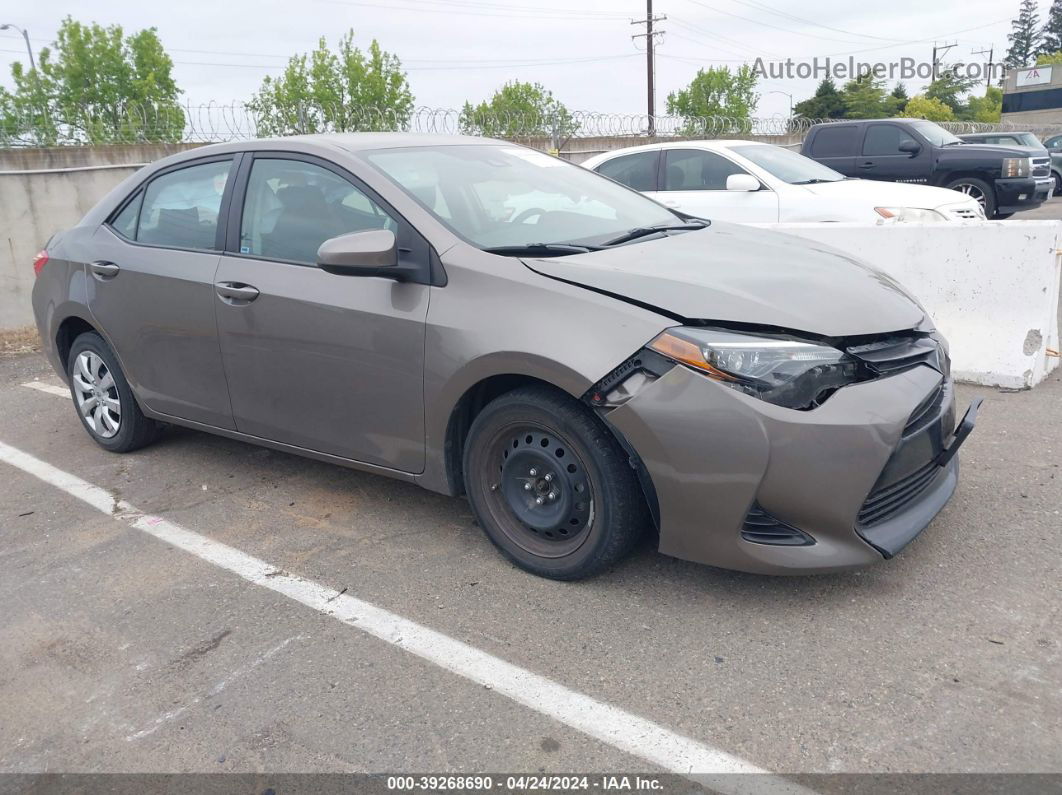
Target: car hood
x,y
888,194
731,273
997,150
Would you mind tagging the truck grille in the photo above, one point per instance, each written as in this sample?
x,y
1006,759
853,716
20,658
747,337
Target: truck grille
x,y
1041,167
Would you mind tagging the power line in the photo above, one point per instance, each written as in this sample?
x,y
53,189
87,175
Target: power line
x,y
758,6
493,12
769,25
650,64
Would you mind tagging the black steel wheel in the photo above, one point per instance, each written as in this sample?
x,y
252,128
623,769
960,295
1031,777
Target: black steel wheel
x,y
550,486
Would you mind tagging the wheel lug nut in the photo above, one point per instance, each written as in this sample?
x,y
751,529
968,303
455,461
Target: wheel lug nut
x,y
539,500
533,472
548,477
527,487
553,495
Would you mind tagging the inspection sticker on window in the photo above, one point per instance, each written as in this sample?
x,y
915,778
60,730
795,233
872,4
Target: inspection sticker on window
x,y
535,158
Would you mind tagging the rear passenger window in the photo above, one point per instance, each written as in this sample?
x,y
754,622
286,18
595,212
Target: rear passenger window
x,y
292,207
125,222
181,208
885,139
636,171
834,142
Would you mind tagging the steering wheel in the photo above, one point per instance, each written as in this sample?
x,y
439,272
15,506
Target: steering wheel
x,y
530,211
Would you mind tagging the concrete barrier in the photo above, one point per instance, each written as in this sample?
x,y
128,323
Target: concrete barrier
x,y
991,287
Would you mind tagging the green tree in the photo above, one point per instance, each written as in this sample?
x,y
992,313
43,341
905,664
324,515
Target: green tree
x,y
1051,33
897,100
864,98
826,103
1049,58
343,91
950,89
987,109
716,92
1024,37
931,108
518,110
94,85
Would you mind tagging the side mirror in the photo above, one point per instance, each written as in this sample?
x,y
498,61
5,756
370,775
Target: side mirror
x,y
742,182
911,147
368,253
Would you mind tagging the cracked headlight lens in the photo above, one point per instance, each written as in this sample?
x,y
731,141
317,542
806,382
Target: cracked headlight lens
x,y
902,214
785,372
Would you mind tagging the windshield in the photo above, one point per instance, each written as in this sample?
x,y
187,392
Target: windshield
x,y
934,133
1028,139
508,196
786,164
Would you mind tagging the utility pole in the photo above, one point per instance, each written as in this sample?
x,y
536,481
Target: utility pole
x,y
990,53
650,62
941,49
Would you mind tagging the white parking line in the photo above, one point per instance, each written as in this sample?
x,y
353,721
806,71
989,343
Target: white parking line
x,y
51,389
617,727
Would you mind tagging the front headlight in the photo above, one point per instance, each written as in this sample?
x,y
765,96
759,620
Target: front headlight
x,y
1017,166
913,214
786,372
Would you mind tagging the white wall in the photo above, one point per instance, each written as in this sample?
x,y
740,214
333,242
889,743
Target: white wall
x,y
991,287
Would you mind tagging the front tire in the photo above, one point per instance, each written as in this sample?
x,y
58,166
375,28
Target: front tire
x,y
102,397
550,485
978,190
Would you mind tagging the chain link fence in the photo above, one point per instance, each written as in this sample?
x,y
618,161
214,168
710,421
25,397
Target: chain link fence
x,y
215,122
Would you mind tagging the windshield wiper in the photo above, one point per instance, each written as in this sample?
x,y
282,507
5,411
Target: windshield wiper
x,y
814,181
643,231
526,249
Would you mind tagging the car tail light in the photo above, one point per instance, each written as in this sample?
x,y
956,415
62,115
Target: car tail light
x,y
40,261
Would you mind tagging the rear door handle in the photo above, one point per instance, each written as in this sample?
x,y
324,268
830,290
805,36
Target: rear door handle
x,y
102,269
236,293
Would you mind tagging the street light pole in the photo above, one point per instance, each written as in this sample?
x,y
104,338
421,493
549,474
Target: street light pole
x,y
785,94
25,35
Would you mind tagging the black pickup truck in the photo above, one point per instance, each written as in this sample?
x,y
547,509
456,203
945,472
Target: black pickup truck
x,y
1003,179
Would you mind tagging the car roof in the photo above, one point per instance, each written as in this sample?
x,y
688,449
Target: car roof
x,y
712,143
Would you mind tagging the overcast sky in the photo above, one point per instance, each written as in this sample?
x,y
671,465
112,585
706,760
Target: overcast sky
x,y
582,50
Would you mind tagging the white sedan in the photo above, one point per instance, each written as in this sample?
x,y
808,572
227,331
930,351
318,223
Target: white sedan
x,y
752,182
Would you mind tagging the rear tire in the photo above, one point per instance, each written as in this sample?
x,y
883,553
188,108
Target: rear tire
x,y
550,485
979,190
102,398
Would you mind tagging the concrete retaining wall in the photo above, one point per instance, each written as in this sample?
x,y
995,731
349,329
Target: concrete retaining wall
x,y
45,190
992,288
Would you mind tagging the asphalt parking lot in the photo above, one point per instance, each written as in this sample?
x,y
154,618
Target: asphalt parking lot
x,y
126,649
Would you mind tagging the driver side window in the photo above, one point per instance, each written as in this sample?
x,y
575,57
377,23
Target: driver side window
x,y
292,207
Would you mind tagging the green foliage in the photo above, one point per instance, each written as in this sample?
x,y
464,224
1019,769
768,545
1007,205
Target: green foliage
x,y
518,110
827,103
987,109
897,99
94,85
1051,34
925,107
343,91
1024,37
949,88
1047,59
864,98
716,92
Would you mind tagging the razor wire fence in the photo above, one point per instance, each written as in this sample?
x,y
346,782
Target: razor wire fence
x,y
27,126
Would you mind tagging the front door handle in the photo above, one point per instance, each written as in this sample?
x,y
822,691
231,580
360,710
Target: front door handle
x,y
236,293
867,165
102,269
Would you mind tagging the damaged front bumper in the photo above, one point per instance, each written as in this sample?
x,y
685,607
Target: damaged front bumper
x,y
856,478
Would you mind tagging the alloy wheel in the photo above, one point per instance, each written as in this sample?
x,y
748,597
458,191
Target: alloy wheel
x,y
973,192
97,395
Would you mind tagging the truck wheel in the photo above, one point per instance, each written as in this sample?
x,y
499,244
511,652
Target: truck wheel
x,y
1058,183
978,190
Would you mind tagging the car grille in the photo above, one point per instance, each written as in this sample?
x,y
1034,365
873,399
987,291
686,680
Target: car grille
x,y
886,502
928,411
894,354
1041,167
